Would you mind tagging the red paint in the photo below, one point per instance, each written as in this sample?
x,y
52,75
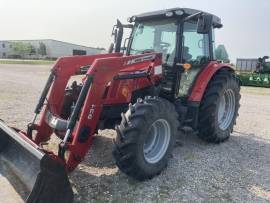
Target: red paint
x,y
104,68
203,80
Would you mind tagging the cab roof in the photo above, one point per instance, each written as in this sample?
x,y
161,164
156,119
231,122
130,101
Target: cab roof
x,y
186,12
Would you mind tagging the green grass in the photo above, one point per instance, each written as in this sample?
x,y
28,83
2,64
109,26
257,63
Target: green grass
x,y
28,62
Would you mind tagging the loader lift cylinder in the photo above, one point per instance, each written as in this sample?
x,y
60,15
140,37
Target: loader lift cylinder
x,y
75,114
40,103
44,93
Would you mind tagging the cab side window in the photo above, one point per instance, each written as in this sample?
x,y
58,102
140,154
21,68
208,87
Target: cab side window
x,y
195,46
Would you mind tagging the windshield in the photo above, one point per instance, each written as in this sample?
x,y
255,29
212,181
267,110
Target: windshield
x,y
155,36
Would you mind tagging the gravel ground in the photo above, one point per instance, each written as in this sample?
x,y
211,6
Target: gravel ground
x,y
235,171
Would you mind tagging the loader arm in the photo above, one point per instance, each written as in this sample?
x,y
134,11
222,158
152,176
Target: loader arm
x,y
82,125
63,69
41,170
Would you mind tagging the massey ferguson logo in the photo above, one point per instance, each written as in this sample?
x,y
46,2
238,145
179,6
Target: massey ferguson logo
x,y
141,59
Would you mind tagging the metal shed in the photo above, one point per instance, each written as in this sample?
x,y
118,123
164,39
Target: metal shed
x,y
246,64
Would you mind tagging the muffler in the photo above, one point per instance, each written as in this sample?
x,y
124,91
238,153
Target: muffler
x,y
43,174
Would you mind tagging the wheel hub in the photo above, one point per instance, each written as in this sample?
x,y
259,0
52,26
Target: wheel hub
x,y
226,109
157,141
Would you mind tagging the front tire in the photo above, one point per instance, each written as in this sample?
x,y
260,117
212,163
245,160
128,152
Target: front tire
x,y
219,107
145,138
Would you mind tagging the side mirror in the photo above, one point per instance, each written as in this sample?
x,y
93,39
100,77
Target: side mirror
x,y
204,24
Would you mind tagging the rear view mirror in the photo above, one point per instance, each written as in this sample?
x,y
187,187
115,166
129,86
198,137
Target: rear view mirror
x,y
204,24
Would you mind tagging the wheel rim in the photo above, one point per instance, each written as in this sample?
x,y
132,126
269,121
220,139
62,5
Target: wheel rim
x,y
157,141
226,109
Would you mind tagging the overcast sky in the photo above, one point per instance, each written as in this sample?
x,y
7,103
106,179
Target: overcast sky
x,y
246,30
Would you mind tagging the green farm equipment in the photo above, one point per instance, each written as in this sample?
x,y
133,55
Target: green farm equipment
x,y
254,72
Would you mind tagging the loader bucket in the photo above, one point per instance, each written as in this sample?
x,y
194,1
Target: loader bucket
x,y
44,178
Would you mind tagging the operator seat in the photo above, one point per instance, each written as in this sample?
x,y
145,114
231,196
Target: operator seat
x,y
170,74
186,55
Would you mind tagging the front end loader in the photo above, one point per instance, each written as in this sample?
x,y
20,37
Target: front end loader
x,y
44,173
39,171
163,80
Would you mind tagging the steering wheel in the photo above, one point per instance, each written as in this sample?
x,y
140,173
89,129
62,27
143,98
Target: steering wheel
x,y
165,44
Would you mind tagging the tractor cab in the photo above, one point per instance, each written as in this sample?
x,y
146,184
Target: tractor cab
x,y
263,66
183,36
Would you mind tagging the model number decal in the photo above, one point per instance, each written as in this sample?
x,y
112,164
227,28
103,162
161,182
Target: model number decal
x,y
141,59
91,112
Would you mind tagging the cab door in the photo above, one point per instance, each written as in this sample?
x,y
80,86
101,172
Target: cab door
x,y
195,52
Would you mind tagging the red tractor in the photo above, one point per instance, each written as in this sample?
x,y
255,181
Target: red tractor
x,y
164,79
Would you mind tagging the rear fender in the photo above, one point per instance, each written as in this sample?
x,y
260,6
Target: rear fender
x,y
204,78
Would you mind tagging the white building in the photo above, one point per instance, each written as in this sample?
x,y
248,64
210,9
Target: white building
x,y
44,48
246,64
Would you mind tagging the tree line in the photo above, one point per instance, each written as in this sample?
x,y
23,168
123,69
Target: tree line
x,y
24,49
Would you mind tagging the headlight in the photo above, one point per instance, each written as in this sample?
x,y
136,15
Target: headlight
x,y
179,12
169,14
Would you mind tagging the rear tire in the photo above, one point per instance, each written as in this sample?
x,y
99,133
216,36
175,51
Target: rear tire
x,y
146,137
3,140
219,107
